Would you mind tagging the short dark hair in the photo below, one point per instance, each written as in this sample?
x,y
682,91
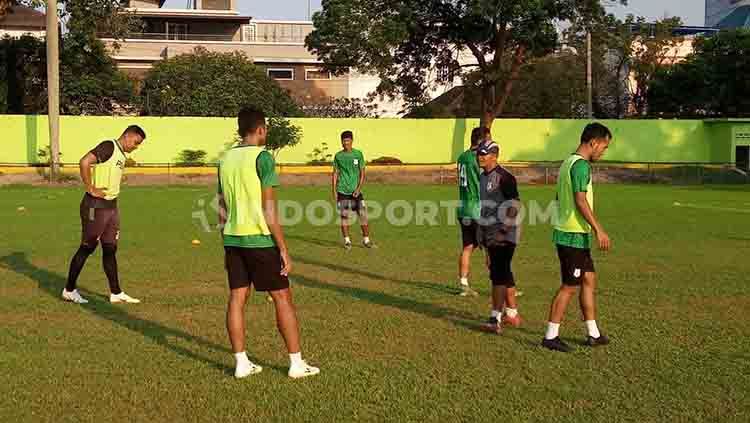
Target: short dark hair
x,y
476,136
593,131
347,134
135,129
249,120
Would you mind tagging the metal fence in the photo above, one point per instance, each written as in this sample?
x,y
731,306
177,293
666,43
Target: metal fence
x,y
537,173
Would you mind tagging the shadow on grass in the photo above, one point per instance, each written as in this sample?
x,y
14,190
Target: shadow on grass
x,y
343,269
380,298
523,335
316,241
99,305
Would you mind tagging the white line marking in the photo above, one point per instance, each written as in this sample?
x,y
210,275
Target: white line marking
x,y
695,206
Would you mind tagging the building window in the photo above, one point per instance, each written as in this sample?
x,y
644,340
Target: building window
x,y
316,75
279,74
250,33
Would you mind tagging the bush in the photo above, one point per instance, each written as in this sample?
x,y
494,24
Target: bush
x,y
387,161
207,83
45,156
281,134
341,108
320,155
192,158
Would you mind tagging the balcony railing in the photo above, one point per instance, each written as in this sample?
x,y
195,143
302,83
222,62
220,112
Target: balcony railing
x,y
172,37
260,38
275,38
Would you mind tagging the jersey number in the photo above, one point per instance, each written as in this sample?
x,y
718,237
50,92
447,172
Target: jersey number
x,y
462,179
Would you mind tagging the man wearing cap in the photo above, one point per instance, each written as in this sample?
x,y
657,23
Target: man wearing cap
x,y
499,234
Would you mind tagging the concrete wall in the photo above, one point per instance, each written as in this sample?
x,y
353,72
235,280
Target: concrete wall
x,y
412,141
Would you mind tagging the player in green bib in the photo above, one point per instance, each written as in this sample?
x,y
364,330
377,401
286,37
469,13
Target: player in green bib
x,y
101,172
572,236
255,249
347,180
469,206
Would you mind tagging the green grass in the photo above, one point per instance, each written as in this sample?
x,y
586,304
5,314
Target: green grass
x,y
392,341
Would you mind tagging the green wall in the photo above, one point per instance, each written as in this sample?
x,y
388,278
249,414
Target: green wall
x,y
412,141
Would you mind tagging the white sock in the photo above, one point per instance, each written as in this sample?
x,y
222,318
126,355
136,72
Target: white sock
x,y
366,240
511,312
553,330
495,314
296,359
592,328
347,240
241,358
464,281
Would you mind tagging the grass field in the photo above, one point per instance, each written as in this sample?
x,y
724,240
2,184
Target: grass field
x,y
392,341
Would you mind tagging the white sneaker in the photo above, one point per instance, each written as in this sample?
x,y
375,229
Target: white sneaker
x,y
247,369
122,297
303,370
73,296
466,291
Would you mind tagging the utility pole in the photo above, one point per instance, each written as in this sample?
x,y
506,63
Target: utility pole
x,y
589,79
53,87
309,10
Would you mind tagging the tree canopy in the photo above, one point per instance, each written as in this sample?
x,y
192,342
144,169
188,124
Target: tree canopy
x,y
415,44
206,83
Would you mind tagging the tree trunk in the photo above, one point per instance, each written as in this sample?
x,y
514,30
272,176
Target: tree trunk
x,y
53,87
495,95
487,116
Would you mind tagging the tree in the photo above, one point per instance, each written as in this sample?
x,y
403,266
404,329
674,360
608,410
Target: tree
x,y
281,134
711,82
649,48
23,68
609,67
548,87
91,83
405,41
87,16
207,83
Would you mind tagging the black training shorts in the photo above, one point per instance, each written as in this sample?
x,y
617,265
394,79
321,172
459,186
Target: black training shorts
x,y
260,267
469,232
574,263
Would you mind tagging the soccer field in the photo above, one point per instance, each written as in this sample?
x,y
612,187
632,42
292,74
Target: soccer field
x,y
392,340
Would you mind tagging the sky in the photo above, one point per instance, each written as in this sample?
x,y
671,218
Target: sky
x,y
691,11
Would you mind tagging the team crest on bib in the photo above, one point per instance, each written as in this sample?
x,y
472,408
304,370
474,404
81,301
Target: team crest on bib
x,y
577,273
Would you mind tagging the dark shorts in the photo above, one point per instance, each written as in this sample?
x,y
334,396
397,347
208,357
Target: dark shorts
x,y
469,232
574,263
501,273
348,202
98,224
259,267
